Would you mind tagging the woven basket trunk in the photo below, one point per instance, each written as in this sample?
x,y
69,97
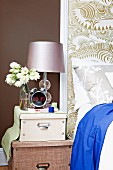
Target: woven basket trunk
x,y
50,155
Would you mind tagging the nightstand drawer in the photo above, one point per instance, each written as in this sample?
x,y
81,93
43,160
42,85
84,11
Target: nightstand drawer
x,y
42,127
50,155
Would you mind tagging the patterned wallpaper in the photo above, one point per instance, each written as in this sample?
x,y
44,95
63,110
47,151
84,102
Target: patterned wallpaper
x,y
90,34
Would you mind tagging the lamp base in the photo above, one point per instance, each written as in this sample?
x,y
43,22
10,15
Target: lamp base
x,y
44,86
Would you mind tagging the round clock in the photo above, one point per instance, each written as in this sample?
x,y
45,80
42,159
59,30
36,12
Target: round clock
x,y
38,99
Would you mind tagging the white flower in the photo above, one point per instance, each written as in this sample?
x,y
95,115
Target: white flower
x,y
16,70
24,70
24,79
18,84
34,75
15,65
9,79
20,75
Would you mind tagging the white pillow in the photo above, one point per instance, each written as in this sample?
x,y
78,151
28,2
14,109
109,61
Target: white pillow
x,y
109,76
81,97
92,76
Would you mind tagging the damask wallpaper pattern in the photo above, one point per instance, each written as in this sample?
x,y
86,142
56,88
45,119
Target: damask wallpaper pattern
x,y
90,34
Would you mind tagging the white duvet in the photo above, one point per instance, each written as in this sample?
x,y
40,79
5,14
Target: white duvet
x,y
106,158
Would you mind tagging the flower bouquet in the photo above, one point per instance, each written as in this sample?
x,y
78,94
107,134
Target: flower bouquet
x,y
19,77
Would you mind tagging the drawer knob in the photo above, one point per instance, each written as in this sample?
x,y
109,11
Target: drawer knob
x,y
43,166
43,126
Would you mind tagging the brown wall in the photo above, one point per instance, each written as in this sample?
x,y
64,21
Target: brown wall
x,y
21,22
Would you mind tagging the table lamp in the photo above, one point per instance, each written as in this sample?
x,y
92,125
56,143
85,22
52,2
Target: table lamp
x,y
45,57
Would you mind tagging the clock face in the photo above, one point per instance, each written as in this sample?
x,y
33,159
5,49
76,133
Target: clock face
x,y
38,99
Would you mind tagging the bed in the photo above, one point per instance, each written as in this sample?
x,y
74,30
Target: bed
x,y
90,92
90,41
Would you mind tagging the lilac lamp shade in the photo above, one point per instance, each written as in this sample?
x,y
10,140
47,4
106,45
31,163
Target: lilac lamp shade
x,y
46,56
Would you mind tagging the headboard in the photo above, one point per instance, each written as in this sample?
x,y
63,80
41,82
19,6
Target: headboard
x,y
90,35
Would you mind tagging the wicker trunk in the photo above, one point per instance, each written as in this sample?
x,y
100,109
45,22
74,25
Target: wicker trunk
x,y
51,155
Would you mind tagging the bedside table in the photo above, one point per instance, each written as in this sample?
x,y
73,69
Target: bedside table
x,y
50,155
42,143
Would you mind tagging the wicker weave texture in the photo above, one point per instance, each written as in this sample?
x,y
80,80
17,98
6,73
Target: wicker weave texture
x,y
27,158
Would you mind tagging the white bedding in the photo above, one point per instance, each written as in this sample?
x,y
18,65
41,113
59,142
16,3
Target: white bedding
x,y
106,158
93,85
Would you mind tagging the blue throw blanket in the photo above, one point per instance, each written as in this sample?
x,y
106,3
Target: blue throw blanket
x,y
90,136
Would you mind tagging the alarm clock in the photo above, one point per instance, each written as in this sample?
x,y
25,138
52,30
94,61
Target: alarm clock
x,y
38,98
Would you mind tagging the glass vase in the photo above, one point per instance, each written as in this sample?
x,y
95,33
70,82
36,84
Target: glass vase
x,y
24,97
